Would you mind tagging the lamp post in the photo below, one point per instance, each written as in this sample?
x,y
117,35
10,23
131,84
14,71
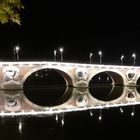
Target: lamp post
x,y
16,52
134,58
100,55
90,58
122,57
54,55
61,53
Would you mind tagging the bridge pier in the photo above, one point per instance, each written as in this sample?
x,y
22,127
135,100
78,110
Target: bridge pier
x,y
11,85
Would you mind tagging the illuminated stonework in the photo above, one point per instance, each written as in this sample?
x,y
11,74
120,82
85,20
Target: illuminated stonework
x,y
10,72
12,104
75,74
131,96
81,73
81,100
131,74
82,90
81,84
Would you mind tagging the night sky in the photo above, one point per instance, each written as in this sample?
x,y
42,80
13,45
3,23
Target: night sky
x,y
80,28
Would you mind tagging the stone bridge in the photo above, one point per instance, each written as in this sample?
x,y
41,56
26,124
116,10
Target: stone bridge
x,y
14,74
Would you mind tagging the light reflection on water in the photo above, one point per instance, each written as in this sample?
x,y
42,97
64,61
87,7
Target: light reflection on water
x,y
77,125
68,125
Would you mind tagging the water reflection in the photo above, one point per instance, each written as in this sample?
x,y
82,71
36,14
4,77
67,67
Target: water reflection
x,y
133,112
30,127
121,110
48,96
73,99
106,93
100,115
20,125
70,118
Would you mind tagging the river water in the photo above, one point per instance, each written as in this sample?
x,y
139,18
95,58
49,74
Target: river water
x,y
114,122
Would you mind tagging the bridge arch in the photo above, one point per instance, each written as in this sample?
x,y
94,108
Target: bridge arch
x,y
137,78
68,77
116,76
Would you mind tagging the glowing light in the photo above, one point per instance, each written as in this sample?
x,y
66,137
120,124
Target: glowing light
x,y
20,126
61,49
90,55
100,53
61,52
121,110
62,121
133,112
16,50
56,117
100,116
122,57
91,113
134,55
54,52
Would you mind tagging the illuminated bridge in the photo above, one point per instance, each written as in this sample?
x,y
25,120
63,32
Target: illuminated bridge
x,y
13,75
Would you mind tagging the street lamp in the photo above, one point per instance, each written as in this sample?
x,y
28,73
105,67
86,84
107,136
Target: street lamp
x,y
54,53
61,53
134,57
122,57
100,54
16,52
90,57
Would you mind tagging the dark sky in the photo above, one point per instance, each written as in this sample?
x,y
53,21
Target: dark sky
x,y
79,27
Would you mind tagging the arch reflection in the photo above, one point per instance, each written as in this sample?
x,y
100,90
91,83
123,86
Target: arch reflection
x,y
54,97
74,99
11,101
106,93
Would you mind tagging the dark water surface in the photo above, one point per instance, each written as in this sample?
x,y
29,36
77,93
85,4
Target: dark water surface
x,y
75,125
